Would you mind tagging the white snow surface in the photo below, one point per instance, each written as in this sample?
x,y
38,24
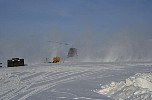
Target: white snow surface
x,y
77,81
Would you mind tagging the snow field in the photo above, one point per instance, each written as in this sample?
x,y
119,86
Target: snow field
x,y
21,83
73,81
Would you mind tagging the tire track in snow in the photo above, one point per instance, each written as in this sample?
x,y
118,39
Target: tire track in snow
x,y
47,86
22,86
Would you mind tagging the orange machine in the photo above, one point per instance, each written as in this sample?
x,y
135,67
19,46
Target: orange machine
x,y
56,59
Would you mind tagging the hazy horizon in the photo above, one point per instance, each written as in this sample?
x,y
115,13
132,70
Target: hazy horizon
x,y
101,30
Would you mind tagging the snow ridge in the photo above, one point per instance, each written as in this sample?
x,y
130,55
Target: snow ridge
x,y
137,87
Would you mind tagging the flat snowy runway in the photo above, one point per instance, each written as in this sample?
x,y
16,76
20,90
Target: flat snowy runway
x,y
64,81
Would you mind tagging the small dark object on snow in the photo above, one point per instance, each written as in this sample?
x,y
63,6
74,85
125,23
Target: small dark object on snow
x,y
72,52
0,64
15,62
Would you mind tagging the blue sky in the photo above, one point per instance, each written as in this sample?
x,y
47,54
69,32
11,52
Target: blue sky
x,y
79,22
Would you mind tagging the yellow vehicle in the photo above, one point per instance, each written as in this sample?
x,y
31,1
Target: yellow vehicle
x,y
56,59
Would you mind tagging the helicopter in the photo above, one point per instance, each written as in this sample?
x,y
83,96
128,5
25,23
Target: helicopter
x,y
71,53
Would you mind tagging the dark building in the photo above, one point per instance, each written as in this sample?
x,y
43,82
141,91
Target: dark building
x,y
72,52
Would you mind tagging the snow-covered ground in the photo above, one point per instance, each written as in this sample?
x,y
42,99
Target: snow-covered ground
x,y
138,87
77,81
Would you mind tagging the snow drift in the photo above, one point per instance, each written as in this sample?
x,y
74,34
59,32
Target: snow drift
x,y
137,87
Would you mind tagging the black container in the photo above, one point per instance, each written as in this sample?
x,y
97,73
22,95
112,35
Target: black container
x,y
15,62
